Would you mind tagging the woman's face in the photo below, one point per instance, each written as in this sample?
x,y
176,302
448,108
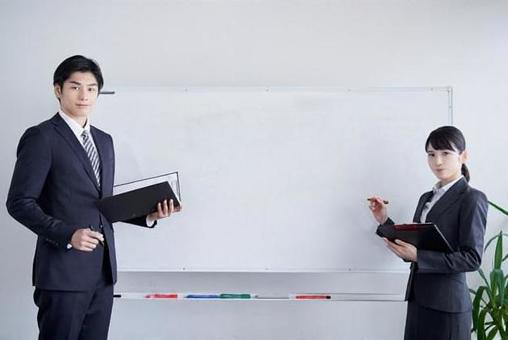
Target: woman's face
x,y
446,164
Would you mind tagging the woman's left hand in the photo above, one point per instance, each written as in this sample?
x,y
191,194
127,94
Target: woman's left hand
x,y
404,250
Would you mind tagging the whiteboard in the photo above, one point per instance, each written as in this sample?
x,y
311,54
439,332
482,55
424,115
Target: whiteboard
x,y
272,179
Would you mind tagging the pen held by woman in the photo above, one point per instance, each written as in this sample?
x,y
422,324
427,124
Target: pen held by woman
x,y
375,199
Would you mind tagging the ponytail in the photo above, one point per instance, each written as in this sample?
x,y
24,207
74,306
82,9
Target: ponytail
x,y
465,172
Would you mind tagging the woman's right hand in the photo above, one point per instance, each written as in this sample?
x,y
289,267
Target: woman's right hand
x,y
378,208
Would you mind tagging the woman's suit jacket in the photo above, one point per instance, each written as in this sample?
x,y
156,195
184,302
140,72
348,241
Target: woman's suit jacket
x,y
437,280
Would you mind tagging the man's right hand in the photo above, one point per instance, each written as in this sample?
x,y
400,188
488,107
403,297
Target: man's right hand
x,y
86,239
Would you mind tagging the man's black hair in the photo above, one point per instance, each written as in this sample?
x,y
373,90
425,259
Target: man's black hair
x,y
77,63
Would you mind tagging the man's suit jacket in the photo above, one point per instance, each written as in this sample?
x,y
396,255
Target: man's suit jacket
x,y
53,193
437,280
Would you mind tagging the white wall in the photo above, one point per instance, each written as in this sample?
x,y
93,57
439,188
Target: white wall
x,y
342,43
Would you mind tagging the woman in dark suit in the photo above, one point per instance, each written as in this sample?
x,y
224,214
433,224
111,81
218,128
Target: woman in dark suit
x,y
439,304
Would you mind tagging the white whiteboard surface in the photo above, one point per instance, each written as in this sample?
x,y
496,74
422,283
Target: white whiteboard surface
x,y
272,179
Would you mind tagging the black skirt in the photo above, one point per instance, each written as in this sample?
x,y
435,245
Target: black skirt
x,y
428,324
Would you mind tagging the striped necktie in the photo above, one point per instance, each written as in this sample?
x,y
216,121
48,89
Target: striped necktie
x,y
92,155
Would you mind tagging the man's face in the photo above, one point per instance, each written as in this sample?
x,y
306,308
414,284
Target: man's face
x,y
78,94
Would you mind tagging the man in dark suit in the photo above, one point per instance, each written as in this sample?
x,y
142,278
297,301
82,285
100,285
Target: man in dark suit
x,y
64,165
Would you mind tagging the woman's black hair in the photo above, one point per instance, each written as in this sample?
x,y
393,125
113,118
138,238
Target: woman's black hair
x,y
77,63
448,138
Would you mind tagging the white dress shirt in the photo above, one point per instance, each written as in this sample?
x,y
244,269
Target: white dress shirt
x,y
78,129
438,191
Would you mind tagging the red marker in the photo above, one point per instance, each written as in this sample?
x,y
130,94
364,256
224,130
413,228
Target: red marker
x,y
313,297
161,296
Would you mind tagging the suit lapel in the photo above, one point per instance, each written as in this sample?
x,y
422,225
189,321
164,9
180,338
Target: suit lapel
x,y
65,131
452,195
424,199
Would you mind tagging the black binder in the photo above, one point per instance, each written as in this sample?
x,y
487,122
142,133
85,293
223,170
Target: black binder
x,y
426,236
136,203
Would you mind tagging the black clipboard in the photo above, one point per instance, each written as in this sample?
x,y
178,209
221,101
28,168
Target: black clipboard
x,y
425,236
136,203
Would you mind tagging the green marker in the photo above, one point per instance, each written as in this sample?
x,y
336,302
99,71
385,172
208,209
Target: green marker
x,y
236,296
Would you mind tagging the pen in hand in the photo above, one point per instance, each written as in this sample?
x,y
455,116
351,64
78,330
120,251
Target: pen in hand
x,y
372,199
92,228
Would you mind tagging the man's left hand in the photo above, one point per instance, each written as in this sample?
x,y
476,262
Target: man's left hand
x,y
164,209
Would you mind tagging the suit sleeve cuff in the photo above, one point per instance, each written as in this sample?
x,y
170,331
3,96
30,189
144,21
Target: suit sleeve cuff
x,y
60,235
150,223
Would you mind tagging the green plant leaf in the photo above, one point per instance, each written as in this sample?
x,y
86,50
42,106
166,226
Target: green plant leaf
x,y
502,333
498,277
497,318
490,301
487,288
493,289
482,274
476,306
481,325
499,252
482,296
505,317
498,208
505,300
492,239
492,334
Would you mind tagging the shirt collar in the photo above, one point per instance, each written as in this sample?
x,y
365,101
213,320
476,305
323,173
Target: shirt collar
x,y
75,127
438,189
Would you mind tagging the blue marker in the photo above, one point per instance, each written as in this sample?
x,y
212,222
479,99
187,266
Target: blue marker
x,y
202,296
236,296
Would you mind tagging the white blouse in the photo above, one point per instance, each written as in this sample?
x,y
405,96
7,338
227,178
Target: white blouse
x,y
438,191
